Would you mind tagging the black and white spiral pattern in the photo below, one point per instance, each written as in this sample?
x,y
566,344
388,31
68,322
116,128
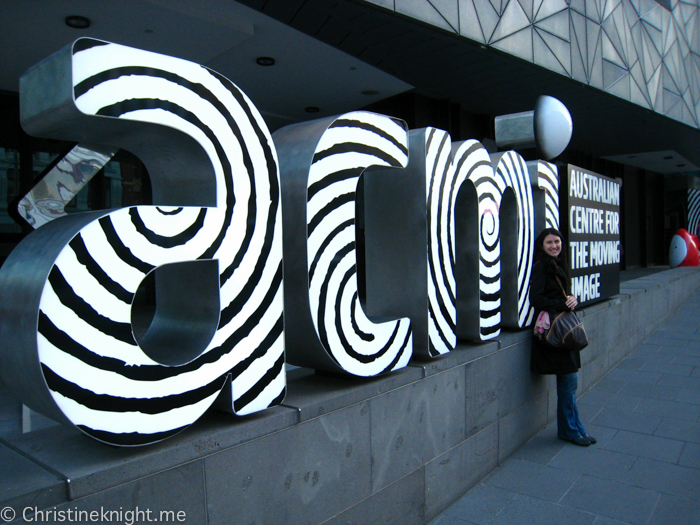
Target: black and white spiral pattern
x,y
96,372
694,211
512,172
440,189
472,162
548,181
351,143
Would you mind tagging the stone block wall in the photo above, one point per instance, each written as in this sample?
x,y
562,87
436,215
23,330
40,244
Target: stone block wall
x,y
395,449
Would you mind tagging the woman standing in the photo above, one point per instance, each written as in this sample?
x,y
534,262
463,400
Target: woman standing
x,y
550,292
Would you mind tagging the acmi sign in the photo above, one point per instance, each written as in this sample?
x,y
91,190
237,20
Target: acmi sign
x,y
436,246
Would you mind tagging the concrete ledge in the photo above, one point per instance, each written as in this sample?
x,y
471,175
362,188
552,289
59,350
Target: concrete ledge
x,y
464,353
89,467
313,394
342,449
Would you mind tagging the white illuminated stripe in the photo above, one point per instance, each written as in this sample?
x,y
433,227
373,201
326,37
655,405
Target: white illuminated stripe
x,y
327,258
268,395
441,282
333,220
89,289
87,335
103,254
260,367
132,422
106,382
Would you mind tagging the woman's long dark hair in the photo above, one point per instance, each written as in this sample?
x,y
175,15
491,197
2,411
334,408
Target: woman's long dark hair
x,y
541,255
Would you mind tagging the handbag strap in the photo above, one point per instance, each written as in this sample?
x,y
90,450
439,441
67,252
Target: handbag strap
x,y
561,286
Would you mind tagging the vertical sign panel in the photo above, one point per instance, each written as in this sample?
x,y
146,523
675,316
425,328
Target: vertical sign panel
x,y
593,228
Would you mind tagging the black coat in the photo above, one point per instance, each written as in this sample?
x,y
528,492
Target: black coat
x,y
546,295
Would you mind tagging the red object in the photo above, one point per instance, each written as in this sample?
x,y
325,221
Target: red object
x,y
696,240
685,249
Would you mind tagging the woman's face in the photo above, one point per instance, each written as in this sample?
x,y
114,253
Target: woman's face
x,y
552,245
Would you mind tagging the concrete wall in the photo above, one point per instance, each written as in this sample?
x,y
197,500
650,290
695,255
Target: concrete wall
x,y
397,449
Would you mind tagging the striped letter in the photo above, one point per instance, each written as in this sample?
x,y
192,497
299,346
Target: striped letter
x,y
68,345
321,162
517,237
502,195
410,248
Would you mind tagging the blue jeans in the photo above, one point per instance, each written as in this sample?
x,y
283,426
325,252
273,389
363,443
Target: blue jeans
x,y
568,423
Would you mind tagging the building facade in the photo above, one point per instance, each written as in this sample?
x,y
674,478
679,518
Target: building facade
x,y
629,74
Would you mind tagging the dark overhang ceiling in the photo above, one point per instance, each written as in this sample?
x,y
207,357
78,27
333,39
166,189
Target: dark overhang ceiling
x,y
443,65
330,51
221,34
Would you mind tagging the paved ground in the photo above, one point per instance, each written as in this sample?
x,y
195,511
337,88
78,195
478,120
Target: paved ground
x,y
645,468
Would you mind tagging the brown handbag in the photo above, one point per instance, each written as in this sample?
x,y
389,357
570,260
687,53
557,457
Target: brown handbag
x,y
566,331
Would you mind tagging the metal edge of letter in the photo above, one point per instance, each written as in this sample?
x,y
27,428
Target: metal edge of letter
x,y
395,236
295,145
19,311
410,264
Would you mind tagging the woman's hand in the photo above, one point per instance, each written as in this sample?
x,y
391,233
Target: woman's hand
x,y
571,302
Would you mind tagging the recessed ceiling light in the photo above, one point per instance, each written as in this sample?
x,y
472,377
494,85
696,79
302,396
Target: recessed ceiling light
x,y
668,157
77,22
680,165
312,109
265,61
370,92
